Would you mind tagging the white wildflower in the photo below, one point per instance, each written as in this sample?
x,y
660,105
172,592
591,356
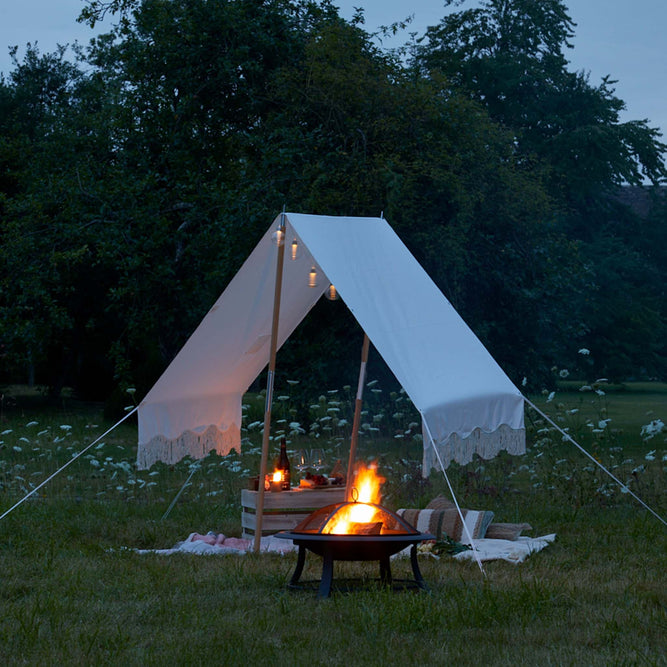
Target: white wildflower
x,y
550,397
17,448
650,430
650,456
564,373
65,427
584,351
7,432
524,382
130,390
586,387
599,392
32,424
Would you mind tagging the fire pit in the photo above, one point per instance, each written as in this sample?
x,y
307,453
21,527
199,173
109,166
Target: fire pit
x,y
354,531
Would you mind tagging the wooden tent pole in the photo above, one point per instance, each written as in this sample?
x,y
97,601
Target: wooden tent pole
x,y
357,416
269,383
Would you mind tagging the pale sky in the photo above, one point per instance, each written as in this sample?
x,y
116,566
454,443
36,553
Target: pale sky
x,y
622,38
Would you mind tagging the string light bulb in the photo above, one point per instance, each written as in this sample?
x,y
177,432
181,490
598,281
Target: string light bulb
x,y
295,250
312,278
278,237
332,293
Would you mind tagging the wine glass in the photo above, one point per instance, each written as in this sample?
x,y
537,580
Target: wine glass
x,y
302,461
317,460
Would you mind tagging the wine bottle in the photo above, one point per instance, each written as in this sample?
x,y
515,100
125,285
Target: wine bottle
x,y
283,465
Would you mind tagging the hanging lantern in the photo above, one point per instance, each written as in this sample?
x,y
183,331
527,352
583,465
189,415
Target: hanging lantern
x,y
295,250
278,237
312,278
332,293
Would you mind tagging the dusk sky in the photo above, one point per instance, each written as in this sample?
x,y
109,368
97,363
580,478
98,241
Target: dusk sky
x,y
616,37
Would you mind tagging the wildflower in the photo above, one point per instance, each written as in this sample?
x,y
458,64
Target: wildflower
x,y
332,391
585,387
650,430
564,373
17,448
599,392
44,432
292,382
65,427
342,422
7,432
550,397
31,424
282,398
23,439
584,351
650,456
372,383
130,390
524,382
573,411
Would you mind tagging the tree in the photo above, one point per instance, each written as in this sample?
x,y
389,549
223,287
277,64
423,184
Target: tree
x,y
510,56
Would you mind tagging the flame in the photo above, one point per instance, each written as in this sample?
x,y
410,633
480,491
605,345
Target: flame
x,y
366,489
277,476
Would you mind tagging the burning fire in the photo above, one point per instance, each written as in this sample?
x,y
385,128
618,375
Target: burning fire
x,y
277,476
366,489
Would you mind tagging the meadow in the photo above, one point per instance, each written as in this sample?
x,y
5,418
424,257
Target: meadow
x,y
74,590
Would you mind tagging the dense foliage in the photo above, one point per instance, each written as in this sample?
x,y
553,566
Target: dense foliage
x,y
135,180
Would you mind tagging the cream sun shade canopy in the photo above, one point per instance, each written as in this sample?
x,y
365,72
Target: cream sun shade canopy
x,y
468,404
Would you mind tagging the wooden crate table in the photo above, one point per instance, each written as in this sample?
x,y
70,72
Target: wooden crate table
x,y
286,509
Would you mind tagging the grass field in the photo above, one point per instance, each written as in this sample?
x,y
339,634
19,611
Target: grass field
x,y
74,591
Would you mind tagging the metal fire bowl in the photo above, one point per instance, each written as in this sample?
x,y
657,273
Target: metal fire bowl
x,y
354,547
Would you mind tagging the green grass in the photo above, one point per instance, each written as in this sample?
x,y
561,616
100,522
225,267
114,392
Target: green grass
x,y
73,591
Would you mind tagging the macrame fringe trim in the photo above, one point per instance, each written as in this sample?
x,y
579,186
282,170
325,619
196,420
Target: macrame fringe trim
x,y
486,445
195,445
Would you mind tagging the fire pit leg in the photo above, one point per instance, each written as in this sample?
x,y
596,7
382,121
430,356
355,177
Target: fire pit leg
x,y
385,571
415,568
327,576
301,559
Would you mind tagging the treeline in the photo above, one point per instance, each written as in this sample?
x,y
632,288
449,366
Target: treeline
x,y
135,180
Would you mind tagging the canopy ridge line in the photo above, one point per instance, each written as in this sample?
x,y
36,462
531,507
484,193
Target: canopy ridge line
x,y
624,487
74,458
357,415
280,238
456,502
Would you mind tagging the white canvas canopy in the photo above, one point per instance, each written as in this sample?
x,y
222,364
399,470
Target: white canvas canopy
x,y
468,404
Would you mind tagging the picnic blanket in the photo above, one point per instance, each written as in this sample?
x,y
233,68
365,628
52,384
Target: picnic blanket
x,y
513,551
215,544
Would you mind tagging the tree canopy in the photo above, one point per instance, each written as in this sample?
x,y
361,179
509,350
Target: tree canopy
x,y
136,179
